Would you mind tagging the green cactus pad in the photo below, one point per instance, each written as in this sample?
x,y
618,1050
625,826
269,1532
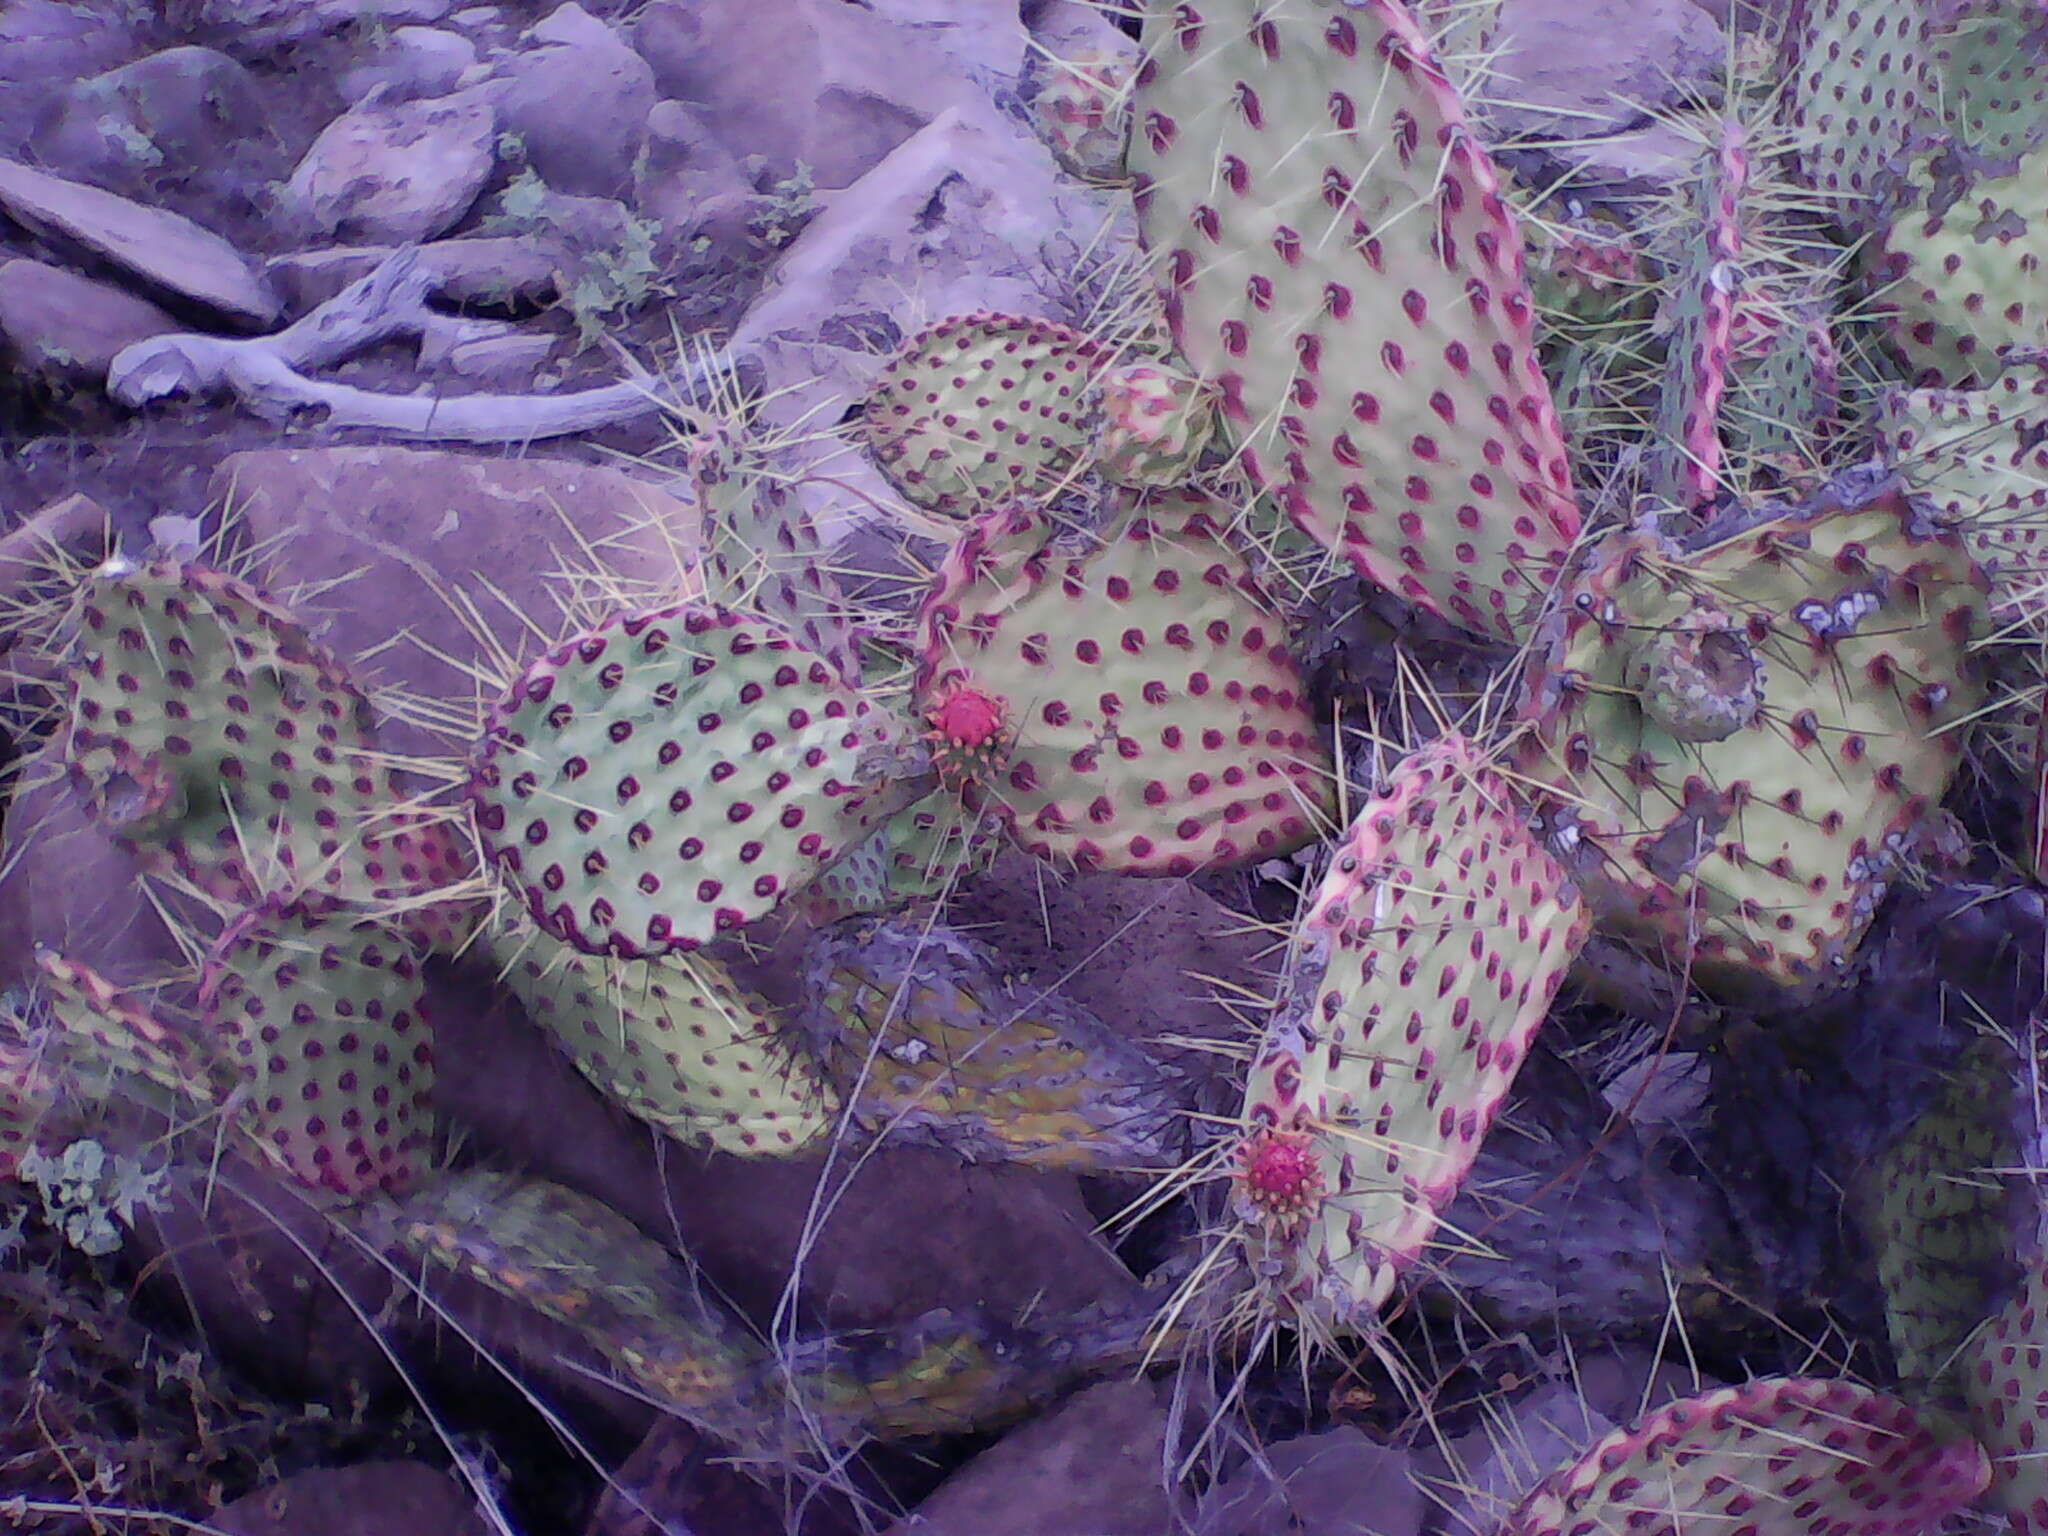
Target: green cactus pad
x,y
984,409
1421,971
762,552
922,852
1698,317
323,1018
672,775
28,1091
1754,861
1942,1215
1341,266
1962,281
1982,455
928,1040
1782,1456
1129,707
1156,423
674,1040
1081,110
208,732
1860,92
104,1029
2004,1370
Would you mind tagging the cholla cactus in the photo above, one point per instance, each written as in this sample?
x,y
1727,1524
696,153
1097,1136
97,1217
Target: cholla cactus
x,y
1131,706
1736,739
1418,976
1341,267
927,1040
1784,1456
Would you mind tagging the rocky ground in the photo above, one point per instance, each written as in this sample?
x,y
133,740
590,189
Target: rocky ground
x,y
399,285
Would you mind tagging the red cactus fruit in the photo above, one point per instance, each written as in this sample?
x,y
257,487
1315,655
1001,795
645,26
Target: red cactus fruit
x,y
1279,1175
967,733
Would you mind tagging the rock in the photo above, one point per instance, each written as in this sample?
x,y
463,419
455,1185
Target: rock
x,y
167,252
1337,1483
396,172
44,46
62,325
578,103
1093,1464
1573,68
414,62
1639,163
678,1479
257,26
390,1498
490,270
693,185
421,527
168,109
866,83
985,38
1064,28
504,362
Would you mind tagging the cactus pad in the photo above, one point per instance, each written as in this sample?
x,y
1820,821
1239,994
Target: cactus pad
x,y
2004,1371
927,1039
207,731
1982,456
673,1040
984,409
1756,856
1153,721
671,775
1783,1456
1081,109
921,852
323,1018
1860,92
1420,973
1341,266
1156,423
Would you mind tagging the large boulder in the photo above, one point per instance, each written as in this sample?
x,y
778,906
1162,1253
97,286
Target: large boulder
x,y
577,100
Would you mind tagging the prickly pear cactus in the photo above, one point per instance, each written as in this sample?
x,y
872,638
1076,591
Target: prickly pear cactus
x,y
1131,706
1341,267
28,1090
2004,1371
984,409
674,1040
102,1029
579,1262
672,775
1081,109
1156,422
921,853
1859,94
323,1018
1735,740
927,1039
1783,1456
1699,320
762,552
1942,1215
1417,978
1982,456
208,733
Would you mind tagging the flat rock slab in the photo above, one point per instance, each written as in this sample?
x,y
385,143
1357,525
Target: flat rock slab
x,y
477,269
163,249
396,173
60,324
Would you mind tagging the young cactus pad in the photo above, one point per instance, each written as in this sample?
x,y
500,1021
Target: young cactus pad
x,y
674,1040
207,730
925,1037
1423,968
671,775
1783,1456
983,409
1339,263
323,1017
1126,707
1741,737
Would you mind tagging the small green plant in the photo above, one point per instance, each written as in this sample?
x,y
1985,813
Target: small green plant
x,y
786,208
86,1190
